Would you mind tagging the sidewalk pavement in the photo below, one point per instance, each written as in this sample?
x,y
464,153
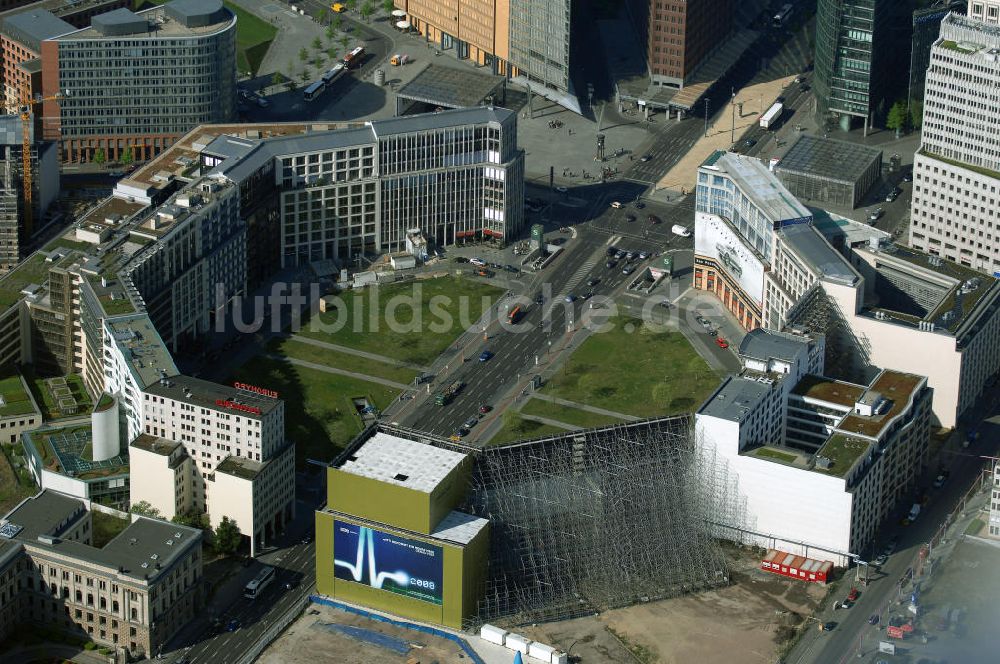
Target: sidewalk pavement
x,y
760,96
546,420
592,409
359,353
341,372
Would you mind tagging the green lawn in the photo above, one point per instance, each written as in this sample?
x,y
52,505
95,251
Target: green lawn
x,y
319,415
516,427
253,35
11,490
427,317
16,400
33,270
106,527
644,373
47,403
581,418
291,347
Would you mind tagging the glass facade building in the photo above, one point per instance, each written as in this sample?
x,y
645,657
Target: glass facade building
x,y
856,51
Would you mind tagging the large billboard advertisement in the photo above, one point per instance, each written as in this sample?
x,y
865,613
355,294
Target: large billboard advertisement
x,y
387,562
713,238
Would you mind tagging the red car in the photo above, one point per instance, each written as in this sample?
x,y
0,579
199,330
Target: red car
x,y
721,342
485,408
853,595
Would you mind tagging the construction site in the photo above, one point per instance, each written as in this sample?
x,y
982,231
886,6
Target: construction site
x,y
578,523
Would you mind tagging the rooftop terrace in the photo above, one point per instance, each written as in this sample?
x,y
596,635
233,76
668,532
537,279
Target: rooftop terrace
x,y
15,398
843,452
68,450
829,390
892,385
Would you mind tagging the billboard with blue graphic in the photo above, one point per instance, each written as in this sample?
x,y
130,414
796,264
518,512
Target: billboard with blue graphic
x,y
387,562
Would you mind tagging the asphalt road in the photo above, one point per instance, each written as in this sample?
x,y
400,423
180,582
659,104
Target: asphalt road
x,y
543,330
853,630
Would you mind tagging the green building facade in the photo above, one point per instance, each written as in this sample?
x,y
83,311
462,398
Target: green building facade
x,y
391,539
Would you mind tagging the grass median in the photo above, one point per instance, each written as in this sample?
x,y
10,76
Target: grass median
x,y
636,370
413,322
567,414
302,350
516,428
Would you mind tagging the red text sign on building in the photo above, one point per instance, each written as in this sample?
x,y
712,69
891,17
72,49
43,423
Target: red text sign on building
x,y
232,405
264,392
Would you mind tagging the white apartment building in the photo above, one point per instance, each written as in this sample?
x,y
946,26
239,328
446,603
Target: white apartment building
x,y
813,465
985,10
216,449
955,208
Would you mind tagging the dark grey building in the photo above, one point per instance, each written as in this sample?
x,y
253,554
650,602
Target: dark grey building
x,y
861,50
822,170
14,237
138,81
926,27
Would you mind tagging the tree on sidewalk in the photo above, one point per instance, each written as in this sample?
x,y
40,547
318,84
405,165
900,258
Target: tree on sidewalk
x,y
367,10
916,114
303,54
227,537
100,158
317,44
896,120
388,6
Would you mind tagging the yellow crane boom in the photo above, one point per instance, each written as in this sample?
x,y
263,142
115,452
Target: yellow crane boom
x,y
27,177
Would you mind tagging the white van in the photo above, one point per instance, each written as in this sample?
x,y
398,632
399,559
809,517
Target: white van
x,y
681,230
914,512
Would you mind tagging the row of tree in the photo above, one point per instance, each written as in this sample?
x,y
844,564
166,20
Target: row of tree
x,y
100,157
225,538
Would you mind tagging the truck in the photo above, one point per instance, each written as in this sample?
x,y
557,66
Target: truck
x,y
444,397
770,119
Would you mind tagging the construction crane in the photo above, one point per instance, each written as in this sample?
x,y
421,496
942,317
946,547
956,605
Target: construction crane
x,y
27,103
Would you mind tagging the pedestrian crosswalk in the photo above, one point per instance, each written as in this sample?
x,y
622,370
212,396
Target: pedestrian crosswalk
x,y
581,273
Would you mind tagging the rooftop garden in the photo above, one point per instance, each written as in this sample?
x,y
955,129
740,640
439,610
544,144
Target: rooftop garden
x,y
831,391
774,455
116,307
15,398
33,270
972,167
48,403
955,46
843,451
232,466
105,402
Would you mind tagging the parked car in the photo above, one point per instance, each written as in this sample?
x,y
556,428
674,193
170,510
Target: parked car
x,y
646,157
471,422
628,269
908,177
593,281
643,255
828,626
852,596
611,264
570,298
484,408
939,481
630,218
233,625
612,250
485,356
462,432
882,559
616,205
721,343
630,256
875,214
619,254
478,261
892,195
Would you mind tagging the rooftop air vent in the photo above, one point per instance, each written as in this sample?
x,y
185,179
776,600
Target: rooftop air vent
x,y
170,542
400,477
144,565
823,462
155,556
177,535
133,542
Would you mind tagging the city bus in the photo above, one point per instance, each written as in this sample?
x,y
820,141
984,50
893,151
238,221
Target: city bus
x,y
334,73
515,315
354,58
256,586
781,18
314,90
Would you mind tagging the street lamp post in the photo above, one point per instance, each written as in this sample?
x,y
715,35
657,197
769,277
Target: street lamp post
x,y
706,115
732,102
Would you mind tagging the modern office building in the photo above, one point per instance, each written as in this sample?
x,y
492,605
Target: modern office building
x,y
860,50
956,171
994,523
452,175
927,19
755,245
816,463
823,170
772,262
115,101
221,450
515,38
682,34
391,506
132,594
14,237
987,11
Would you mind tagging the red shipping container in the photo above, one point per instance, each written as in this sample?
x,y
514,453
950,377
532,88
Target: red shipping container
x,y
894,632
796,567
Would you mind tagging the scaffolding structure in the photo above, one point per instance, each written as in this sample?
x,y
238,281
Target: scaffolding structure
x,y
595,519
